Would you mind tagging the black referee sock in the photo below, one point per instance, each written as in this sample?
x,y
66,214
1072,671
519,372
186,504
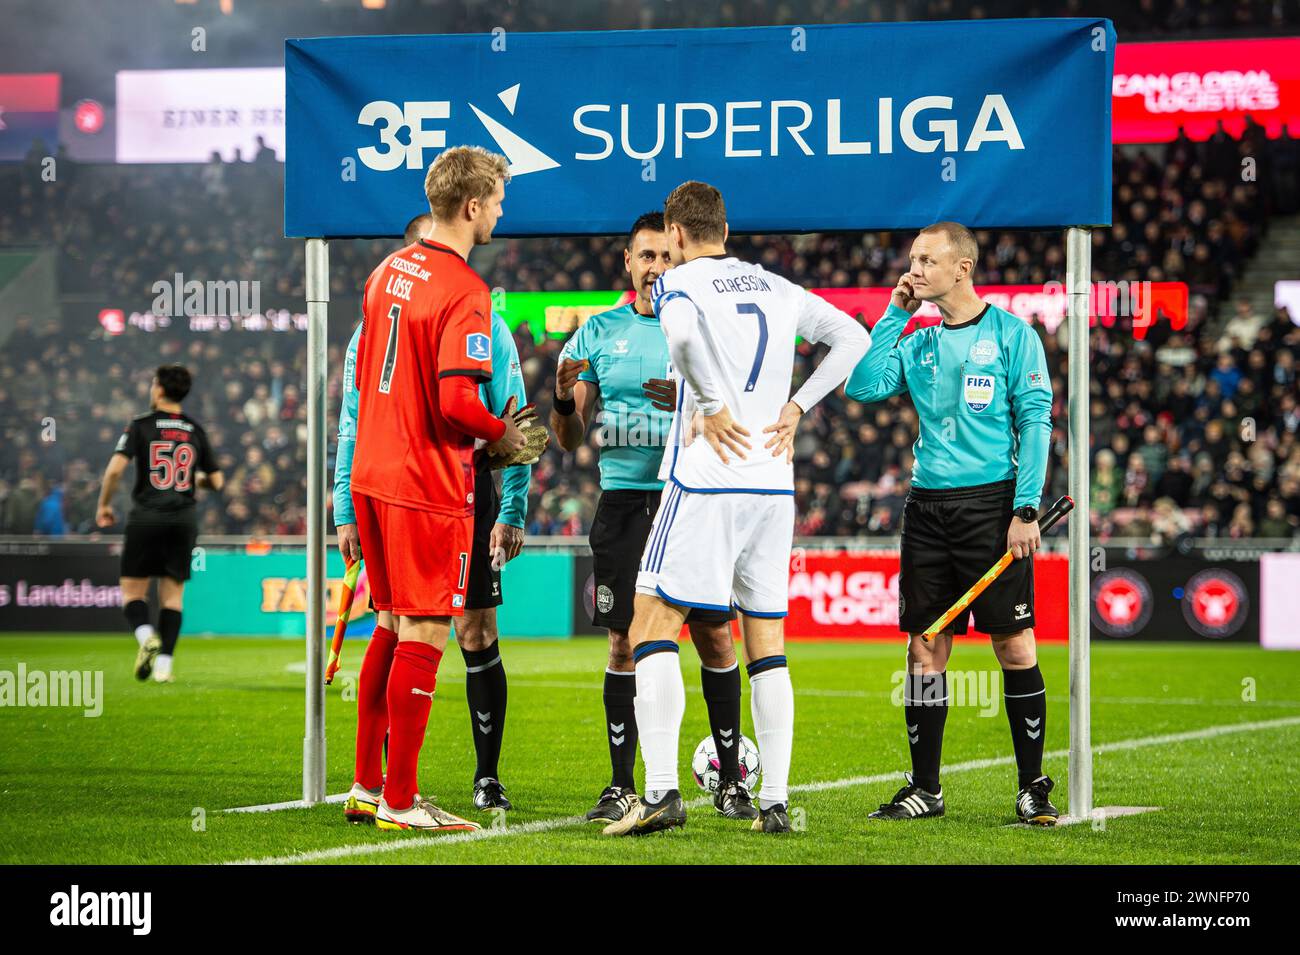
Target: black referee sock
x,y
485,689
169,630
137,614
1026,700
925,707
722,696
620,726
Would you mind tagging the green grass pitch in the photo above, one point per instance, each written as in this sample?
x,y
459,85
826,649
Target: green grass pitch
x,y
147,780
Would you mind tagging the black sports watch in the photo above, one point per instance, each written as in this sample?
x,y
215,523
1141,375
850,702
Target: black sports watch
x,y
1028,513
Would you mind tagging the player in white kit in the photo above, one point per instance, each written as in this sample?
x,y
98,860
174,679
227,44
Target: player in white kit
x,y
725,525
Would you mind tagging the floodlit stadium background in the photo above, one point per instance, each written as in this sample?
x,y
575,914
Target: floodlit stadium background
x,y
1196,463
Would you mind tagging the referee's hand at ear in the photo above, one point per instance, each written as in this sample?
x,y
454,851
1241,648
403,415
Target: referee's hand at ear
x,y
1023,538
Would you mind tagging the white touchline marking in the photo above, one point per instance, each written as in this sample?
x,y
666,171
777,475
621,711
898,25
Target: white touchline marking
x,y
291,804
1191,701
544,825
1100,812
299,667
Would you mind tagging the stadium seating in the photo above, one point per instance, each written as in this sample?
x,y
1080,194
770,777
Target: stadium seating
x,y
1181,213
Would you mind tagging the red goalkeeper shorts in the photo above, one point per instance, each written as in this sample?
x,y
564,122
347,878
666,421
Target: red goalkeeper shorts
x,y
417,562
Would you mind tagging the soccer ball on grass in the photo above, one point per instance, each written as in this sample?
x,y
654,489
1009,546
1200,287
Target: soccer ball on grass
x,y
704,764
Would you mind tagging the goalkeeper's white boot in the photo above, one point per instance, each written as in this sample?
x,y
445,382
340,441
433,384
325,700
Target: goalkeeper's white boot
x,y
423,815
361,805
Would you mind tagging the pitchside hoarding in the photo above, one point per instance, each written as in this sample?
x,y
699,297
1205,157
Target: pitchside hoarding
x,y
853,595
802,128
266,595
1177,599
1279,598
55,586
1159,87
845,594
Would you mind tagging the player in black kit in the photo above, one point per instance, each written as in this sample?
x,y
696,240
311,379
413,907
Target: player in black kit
x,y
173,458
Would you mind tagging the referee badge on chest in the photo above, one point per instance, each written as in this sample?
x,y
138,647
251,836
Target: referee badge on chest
x,y
983,352
977,390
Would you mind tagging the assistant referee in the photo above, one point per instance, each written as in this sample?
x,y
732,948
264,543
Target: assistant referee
x,y
983,395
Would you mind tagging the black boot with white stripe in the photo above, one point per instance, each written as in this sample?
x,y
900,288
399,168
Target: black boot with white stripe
x,y
490,795
911,802
1033,806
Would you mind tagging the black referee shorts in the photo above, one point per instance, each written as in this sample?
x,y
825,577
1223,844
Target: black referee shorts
x,y
483,590
951,537
618,534
158,550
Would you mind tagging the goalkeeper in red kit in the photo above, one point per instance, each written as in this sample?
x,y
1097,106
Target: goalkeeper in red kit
x,y
425,346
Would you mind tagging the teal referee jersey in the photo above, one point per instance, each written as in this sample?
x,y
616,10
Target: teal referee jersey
x,y
982,394
624,349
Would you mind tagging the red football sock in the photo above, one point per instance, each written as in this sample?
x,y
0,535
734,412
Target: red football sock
x,y
372,707
410,693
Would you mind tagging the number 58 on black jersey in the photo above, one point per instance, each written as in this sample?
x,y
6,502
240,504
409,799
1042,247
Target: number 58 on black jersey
x,y
170,450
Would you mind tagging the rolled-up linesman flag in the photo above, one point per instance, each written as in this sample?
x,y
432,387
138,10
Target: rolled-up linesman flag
x,y
341,626
1054,513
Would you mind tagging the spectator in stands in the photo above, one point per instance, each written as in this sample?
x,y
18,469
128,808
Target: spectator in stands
x,y
1168,523
1276,523
20,506
1107,484
1242,329
49,514
1242,524
1226,375
1154,452
1136,482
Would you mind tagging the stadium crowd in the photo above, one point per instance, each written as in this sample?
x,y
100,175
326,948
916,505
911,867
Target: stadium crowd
x,y
1194,430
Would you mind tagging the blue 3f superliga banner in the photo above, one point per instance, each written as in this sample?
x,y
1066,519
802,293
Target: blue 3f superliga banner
x,y
868,126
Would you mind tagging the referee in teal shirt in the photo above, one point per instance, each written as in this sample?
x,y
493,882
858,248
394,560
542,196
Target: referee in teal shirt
x,y
983,396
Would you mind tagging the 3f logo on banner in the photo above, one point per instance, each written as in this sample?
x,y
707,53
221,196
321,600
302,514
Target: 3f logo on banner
x,y
524,157
411,115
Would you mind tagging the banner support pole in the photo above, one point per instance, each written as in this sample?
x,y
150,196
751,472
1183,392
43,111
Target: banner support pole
x,y
317,289
1078,271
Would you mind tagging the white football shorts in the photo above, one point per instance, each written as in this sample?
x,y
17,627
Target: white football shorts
x,y
720,550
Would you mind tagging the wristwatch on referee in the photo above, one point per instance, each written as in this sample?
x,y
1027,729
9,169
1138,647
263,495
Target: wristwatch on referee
x,y
1028,514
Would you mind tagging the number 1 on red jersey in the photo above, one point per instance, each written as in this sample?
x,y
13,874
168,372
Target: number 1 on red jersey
x,y
390,353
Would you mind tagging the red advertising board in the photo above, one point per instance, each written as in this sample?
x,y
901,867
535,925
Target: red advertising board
x,y
853,595
29,113
1161,86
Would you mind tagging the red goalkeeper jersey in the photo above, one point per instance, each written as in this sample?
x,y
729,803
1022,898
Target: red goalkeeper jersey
x,y
426,315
